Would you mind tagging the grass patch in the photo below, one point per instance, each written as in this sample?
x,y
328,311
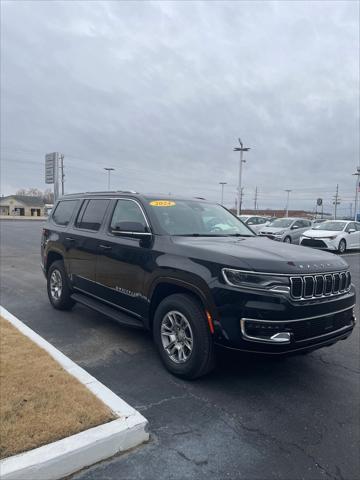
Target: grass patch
x,y
39,401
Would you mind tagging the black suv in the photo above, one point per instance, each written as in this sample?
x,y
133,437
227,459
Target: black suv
x,y
192,273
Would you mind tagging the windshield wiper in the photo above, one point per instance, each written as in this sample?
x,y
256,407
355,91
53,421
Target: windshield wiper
x,y
239,235
199,235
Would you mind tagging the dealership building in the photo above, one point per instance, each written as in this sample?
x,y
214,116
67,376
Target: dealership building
x,y
22,205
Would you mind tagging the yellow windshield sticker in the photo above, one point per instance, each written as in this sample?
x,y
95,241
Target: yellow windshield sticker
x,y
162,203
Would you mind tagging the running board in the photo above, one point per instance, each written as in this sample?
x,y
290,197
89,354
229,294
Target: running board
x,y
108,311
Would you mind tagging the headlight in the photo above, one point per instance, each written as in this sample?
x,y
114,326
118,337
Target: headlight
x,y
279,233
256,281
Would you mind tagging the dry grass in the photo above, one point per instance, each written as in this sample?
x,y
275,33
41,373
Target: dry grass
x,y
39,401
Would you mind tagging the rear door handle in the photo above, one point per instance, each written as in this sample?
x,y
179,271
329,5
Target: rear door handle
x,y
104,247
70,239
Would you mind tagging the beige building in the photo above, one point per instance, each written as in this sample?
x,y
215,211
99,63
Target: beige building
x,y
21,205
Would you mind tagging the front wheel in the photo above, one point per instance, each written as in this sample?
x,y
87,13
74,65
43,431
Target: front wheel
x,y
58,288
287,239
182,336
342,246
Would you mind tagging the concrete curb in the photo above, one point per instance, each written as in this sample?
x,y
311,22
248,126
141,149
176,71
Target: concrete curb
x,y
64,457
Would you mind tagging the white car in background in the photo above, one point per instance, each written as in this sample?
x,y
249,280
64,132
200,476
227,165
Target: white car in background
x,y
255,222
337,235
288,230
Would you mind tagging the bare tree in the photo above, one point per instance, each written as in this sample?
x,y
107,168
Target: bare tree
x,y
31,192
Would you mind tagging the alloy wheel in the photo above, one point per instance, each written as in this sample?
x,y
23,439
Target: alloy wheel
x,y
177,336
56,284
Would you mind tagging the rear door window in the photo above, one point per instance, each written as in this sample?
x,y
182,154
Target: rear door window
x,y
63,212
91,214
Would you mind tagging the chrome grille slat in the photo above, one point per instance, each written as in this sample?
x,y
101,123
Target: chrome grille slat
x,y
305,287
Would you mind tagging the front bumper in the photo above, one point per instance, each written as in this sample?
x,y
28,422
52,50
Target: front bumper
x,y
276,324
320,243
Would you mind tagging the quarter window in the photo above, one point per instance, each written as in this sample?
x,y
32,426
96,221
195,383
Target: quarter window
x,y
127,211
92,214
63,212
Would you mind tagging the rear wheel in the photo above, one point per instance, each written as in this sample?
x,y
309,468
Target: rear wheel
x,y
287,239
342,246
182,336
58,287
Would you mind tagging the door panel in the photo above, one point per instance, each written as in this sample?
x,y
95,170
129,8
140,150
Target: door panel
x,y
82,244
123,262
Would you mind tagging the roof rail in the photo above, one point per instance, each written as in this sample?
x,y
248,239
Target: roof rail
x,y
103,192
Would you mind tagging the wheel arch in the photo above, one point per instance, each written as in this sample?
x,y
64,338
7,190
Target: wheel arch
x,y
52,257
168,286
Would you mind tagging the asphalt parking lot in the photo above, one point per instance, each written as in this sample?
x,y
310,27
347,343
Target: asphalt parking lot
x,y
253,418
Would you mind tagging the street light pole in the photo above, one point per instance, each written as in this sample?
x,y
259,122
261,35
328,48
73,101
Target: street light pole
x,y
287,202
357,189
240,149
109,170
222,191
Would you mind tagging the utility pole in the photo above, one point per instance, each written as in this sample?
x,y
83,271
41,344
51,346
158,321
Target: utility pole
x,y
222,191
62,176
336,201
240,149
109,170
241,198
357,190
287,202
255,199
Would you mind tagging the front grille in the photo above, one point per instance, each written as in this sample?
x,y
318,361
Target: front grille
x,y
310,286
310,242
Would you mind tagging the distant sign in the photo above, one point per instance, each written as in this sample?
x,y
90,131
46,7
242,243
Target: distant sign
x,y
51,162
319,201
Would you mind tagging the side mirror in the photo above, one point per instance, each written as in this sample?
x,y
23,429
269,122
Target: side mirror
x,y
295,227
131,229
352,230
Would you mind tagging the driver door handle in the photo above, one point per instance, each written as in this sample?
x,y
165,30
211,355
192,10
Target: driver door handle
x,y
104,247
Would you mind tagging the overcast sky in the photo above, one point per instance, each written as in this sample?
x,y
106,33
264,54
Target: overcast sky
x,y
160,91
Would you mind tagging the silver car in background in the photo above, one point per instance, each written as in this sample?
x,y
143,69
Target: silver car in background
x,y
255,222
288,230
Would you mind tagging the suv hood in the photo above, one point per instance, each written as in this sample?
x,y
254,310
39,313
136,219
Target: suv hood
x,y
258,254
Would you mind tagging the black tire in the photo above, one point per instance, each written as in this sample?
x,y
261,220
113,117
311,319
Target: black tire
x,y
63,301
287,239
342,246
201,358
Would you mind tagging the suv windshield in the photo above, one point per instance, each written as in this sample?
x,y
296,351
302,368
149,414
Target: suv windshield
x,y
333,226
282,223
190,217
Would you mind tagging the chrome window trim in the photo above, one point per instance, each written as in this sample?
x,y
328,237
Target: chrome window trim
x,y
109,231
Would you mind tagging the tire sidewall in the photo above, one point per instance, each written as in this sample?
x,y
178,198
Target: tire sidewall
x,y
287,239
202,341
64,301
342,242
